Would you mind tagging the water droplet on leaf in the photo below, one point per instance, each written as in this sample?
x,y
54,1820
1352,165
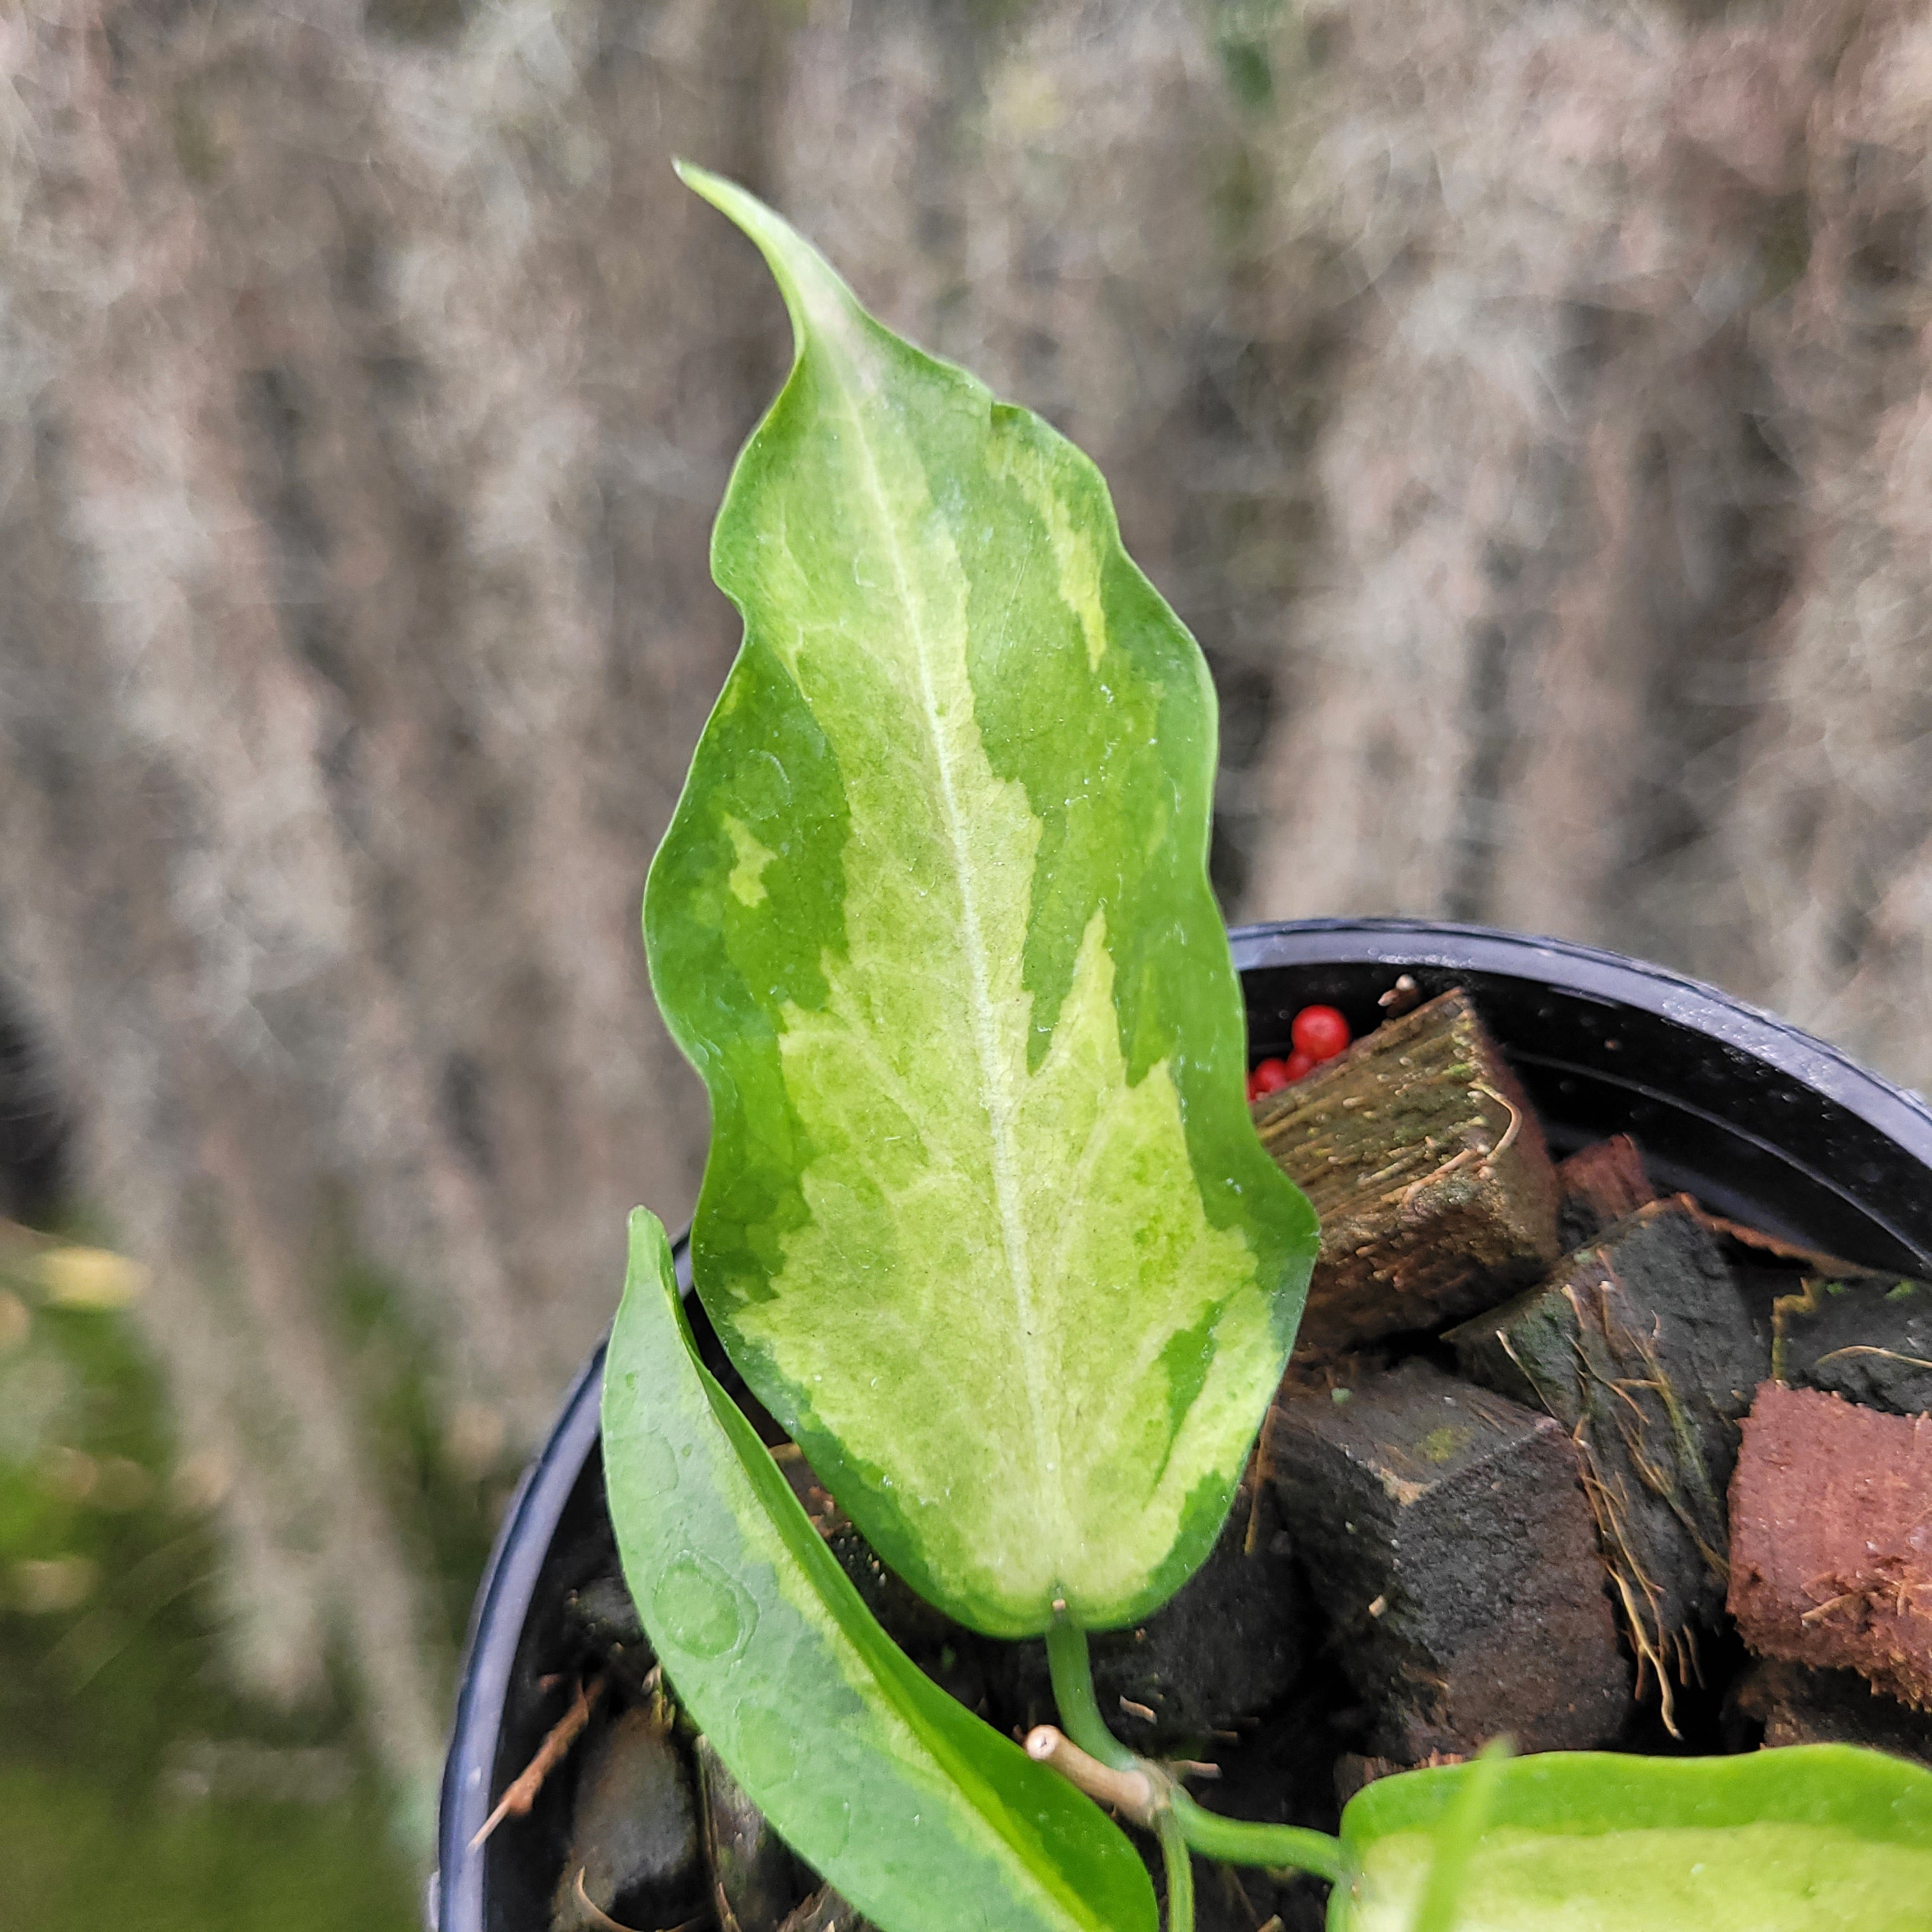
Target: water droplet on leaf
x,y
651,1464
700,1610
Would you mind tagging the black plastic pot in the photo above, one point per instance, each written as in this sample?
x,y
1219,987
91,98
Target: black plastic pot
x,y
1761,1121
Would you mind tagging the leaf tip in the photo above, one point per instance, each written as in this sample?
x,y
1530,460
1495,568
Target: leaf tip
x,y
643,1224
649,1254
699,180
814,294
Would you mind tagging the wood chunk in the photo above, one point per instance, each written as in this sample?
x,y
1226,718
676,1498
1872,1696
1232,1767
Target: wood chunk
x,y
1799,1705
1868,1339
633,1853
754,1877
1445,1534
1597,1185
1429,1170
1642,1346
1831,1538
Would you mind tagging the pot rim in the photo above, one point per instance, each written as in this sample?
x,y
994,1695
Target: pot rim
x,y
1567,966
453,1900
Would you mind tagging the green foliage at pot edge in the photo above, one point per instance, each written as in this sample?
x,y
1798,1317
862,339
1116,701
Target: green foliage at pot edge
x,y
1816,1838
985,1224
920,1813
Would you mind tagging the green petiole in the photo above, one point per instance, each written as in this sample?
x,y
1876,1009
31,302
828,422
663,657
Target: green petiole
x,y
1180,1865
1231,1841
1072,1674
1235,1841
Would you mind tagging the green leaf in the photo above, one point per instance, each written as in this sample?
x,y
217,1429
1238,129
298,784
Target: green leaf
x,y
986,1223
1457,1833
1814,1838
927,1819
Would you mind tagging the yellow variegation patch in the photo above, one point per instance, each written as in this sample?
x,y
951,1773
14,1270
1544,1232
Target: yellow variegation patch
x,y
1771,1877
1073,1430
1810,1838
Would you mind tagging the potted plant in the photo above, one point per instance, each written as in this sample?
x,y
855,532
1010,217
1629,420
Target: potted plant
x,y
987,1229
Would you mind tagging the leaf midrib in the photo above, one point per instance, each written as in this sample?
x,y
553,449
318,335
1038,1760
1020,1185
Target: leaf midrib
x,y
1000,1105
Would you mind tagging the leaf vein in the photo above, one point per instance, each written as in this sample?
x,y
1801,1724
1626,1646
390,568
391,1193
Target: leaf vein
x,y
1001,1105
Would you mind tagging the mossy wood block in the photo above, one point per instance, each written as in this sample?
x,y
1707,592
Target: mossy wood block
x,y
1640,1344
1445,1535
1868,1339
1831,1538
1597,1185
1429,1170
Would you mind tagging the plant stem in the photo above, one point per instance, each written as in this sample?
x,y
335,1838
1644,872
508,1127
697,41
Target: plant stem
x,y
1180,1863
1236,1841
1080,1718
1232,1841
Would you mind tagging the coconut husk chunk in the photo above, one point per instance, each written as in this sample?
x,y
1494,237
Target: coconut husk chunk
x,y
1640,1344
1447,1541
1429,1171
1867,1338
1831,1539
1599,1185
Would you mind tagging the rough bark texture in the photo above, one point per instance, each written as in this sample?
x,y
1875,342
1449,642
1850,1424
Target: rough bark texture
x,y
1798,1705
1411,1505
1598,1185
1428,1168
1527,404
1640,1345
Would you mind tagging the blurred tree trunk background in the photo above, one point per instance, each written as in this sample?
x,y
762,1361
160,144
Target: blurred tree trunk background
x,y
1525,401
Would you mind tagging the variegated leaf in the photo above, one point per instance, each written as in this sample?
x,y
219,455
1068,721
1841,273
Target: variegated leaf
x,y
1814,1838
986,1223
924,1817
